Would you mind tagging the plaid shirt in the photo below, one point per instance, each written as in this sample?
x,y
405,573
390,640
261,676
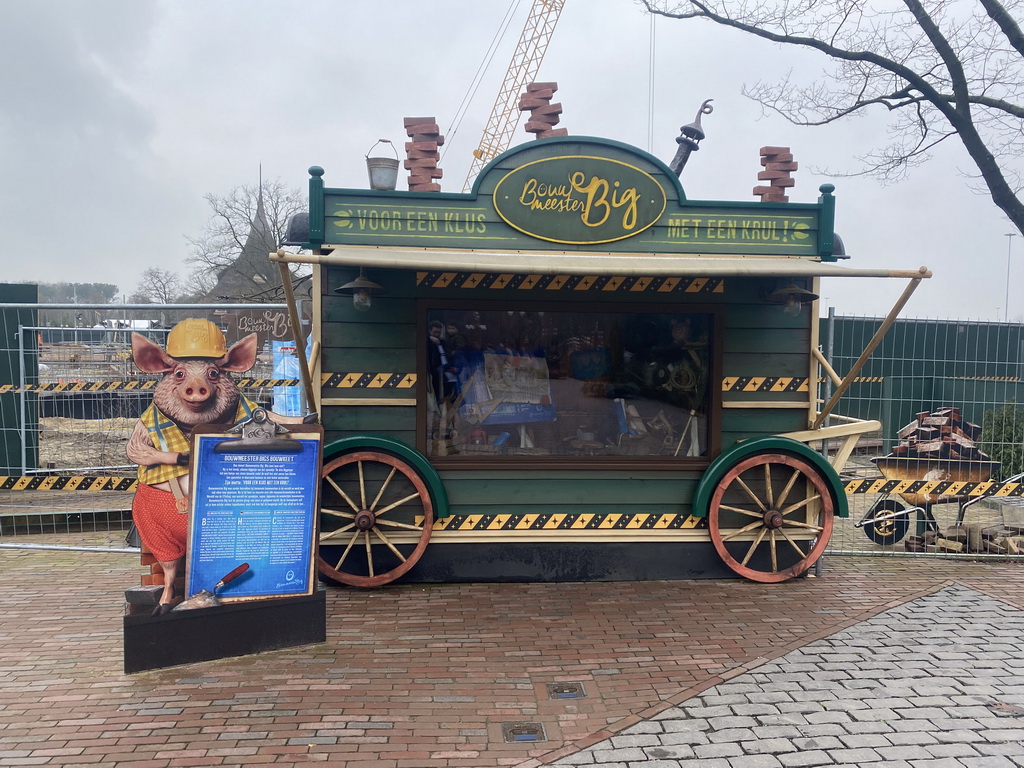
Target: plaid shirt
x,y
167,436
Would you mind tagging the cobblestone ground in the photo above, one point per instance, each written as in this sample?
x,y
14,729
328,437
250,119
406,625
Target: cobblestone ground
x,y
933,683
425,676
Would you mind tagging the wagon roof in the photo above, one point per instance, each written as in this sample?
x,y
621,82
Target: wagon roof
x,y
553,262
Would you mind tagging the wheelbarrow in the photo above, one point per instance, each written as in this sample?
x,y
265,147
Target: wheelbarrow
x,y
888,519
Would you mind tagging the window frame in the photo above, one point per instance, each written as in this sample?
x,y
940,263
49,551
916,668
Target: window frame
x,y
561,462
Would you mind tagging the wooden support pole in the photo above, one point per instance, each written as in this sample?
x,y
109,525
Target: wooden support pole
x,y
829,370
875,341
300,336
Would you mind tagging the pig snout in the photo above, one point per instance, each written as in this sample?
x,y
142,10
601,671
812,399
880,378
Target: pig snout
x,y
197,393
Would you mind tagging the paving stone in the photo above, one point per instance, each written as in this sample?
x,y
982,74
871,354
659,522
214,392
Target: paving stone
x,y
775,746
678,752
725,749
806,759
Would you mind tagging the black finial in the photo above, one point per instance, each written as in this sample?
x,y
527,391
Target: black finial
x,y
690,138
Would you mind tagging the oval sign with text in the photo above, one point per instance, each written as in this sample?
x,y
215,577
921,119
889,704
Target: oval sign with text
x,y
579,200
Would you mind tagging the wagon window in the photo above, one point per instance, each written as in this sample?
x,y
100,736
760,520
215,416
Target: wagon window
x,y
515,382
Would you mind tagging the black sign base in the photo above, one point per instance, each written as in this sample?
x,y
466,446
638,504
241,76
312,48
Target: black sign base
x,y
234,629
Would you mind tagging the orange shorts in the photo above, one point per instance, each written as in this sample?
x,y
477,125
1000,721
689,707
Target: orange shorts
x,y
162,528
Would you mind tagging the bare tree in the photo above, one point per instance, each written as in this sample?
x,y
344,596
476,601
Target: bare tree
x,y
157,286
246,224
942,68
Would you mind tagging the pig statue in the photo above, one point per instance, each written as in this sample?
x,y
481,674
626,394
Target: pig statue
x,y
195,389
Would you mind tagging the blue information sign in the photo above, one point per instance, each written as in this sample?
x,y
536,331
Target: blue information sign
x,y
255,508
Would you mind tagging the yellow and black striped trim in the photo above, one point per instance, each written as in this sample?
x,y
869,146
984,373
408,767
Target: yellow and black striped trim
x,y
66,483
127,386
780,383
764,384
985,378
607,283
368,380
935,487
391,380
567,522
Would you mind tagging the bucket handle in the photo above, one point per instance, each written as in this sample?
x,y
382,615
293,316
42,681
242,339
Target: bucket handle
x,y
382,141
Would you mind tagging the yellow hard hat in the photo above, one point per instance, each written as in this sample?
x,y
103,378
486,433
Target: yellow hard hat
x,y
196,338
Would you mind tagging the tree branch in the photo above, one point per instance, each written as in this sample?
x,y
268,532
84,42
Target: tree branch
x,y
998,14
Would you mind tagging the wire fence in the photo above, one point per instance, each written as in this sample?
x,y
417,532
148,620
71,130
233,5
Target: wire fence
x,y
946,392
69,400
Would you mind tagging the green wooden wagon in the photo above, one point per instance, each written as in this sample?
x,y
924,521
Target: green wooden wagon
x,y
573,372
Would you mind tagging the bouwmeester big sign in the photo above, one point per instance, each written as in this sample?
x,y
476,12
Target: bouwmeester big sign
x,y
579,199
579,193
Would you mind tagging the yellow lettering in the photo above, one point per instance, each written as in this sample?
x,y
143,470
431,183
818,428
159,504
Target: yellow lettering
x,y
596,191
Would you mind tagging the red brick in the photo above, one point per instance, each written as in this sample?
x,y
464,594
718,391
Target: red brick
x,y
550,109
435,137
416,154
527,103
531,87
533,126
418,121
773,150
420,162
425,146
422,128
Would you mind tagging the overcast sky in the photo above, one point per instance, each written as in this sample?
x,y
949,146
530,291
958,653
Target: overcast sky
x,y
119,115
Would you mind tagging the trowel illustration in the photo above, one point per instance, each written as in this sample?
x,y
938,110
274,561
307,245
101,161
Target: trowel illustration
x,y
207,599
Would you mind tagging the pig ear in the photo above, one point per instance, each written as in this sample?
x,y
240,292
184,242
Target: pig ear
x,y
149,357
241,357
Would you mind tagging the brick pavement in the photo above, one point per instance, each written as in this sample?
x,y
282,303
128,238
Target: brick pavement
x,y
932,683
412,676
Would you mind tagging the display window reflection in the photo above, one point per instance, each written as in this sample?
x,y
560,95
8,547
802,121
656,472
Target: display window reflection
x,y
530,382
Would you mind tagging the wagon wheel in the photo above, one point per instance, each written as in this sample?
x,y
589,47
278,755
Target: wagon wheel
x,y
376,515
770,516
887,532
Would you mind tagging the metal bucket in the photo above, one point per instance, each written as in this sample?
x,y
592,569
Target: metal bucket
x,y
383,171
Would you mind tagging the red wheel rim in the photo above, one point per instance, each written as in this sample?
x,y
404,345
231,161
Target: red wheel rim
x,y
772,520
367,494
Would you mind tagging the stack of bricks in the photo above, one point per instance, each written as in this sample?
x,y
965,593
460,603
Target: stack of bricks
x,y
544,115
144,598
778,165
421,152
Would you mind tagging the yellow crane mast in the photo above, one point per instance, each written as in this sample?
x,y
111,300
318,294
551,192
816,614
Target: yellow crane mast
x,y
522,70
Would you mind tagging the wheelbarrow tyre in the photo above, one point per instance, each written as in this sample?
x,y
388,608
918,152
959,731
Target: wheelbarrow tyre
x,y
887,532
378,503
770,514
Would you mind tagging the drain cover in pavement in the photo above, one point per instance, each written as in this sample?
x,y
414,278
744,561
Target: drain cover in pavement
x,y
517,732
566,691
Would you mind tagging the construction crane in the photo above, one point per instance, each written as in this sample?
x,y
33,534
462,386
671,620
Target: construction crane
x,y
522,70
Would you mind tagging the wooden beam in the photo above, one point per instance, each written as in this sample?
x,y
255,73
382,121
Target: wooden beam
x,y
875,341
346,401
765,404
829,370
300,335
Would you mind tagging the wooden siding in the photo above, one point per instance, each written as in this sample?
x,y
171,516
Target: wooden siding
x,y
758,340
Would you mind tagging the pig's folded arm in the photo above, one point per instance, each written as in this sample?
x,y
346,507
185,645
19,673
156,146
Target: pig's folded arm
x,y
141,450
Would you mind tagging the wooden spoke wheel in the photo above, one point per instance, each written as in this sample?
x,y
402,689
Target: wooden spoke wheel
x,y
887,532
376,515
770,516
